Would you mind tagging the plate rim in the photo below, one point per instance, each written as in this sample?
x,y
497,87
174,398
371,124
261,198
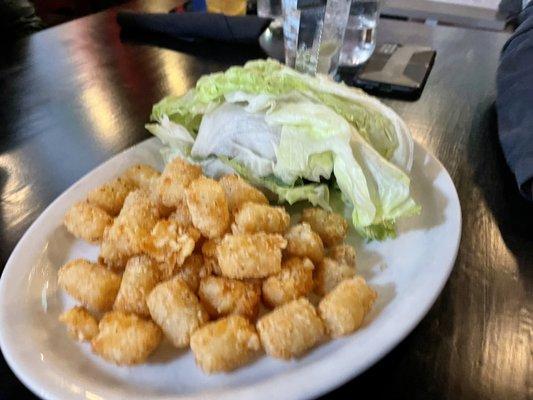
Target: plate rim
x,y
263,388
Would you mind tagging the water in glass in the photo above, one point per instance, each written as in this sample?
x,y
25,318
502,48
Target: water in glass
x,y
360,36
313,34
291,28
269,8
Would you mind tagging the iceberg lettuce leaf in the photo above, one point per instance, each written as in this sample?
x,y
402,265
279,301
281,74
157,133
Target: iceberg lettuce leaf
x,y
316,194
288,133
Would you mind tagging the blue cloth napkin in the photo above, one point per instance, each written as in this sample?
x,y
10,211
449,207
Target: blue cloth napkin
x,y
514,102
195,25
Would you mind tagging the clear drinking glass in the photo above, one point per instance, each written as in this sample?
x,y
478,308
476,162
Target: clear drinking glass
x,y
269,9
313,34
360,36
291,27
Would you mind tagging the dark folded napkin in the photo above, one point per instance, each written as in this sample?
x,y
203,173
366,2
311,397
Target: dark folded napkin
x,y
195,25
514,102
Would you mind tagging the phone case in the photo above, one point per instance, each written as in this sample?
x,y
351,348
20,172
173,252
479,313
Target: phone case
x,y
396,69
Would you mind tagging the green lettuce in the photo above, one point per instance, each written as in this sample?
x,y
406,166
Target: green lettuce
x,y
289,133
316,194
270,78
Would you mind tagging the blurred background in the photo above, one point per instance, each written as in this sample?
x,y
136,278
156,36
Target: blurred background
x,y
480,14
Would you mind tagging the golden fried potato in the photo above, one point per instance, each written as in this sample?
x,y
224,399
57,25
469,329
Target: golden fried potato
x,y
113,251
238,192
212,264
130,230
295,280
169,245
302,241
209,247
176,309
176,177
111,196
140,207
125,339
343,253
209,251
181,215
208,207
142,175
223,296
329,273
91,284
344,308
140,277
331,227
163,211
255,255
366,294
193,269
290,330
257,282
81,325
253,217
86,221
225,345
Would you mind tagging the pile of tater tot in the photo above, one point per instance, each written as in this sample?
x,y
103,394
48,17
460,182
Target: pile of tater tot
x,y
207,264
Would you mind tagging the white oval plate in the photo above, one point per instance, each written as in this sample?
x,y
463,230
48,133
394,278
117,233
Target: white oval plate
x,y
408,273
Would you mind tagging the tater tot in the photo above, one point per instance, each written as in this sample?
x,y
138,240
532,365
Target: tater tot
x,y
209,247
212,264
176,177
181,214
169,245
140,277
295,280
224,345
130,230
253,217
344,308
125,339
329,273
208,207
81,325
366,294
331,227
142,175
112,252
290,330
176,309
182,217
86,221
140,207
193,269
255,255
238,192
163,211
91,284
302,241
223,296
343,253
110,196
209,251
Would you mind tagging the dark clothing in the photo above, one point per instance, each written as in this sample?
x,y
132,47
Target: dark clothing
x,y
514,102
17,19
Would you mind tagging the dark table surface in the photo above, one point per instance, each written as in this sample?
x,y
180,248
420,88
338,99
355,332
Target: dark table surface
x,y
73,96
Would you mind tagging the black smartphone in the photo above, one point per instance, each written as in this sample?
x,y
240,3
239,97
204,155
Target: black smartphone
x,y
394,70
